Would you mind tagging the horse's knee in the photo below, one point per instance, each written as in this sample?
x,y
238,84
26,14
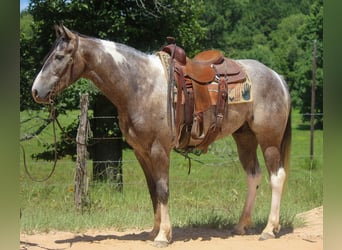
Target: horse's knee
x,y
162,189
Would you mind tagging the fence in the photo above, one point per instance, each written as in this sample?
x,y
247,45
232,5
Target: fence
x,y
220,155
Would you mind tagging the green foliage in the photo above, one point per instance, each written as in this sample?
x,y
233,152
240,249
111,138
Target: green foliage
x,y
278,33
312,31
211,196
140,24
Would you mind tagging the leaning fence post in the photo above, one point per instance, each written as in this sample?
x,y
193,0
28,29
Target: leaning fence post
x,y
81,194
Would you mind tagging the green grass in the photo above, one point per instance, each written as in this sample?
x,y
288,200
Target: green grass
x,y
211,196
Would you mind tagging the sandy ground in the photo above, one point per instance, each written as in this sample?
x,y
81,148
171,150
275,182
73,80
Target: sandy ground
x,y
310,237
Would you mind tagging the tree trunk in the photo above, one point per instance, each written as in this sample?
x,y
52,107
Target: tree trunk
x,y
107,147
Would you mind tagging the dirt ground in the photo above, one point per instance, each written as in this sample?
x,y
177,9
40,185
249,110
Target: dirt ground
x,y
308,237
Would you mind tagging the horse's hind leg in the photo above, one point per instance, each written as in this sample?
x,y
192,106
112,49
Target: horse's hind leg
x,y
277,181
246,146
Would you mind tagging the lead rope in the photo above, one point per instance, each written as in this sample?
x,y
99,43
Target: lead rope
x,y
53,118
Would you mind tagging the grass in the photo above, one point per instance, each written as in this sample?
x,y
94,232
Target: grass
x,y
211,196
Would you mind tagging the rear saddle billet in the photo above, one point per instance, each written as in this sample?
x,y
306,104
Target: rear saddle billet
x,y
194,77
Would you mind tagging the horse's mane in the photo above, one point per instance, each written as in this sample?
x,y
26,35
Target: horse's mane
x,y
119,45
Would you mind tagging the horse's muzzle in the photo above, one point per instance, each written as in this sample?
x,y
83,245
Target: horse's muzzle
x,y
37,98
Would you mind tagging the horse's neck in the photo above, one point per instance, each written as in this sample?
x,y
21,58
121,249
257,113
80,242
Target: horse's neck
x,y
114,69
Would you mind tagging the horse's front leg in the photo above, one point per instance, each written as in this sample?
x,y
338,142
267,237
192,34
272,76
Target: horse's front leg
x,y
156,169
164,235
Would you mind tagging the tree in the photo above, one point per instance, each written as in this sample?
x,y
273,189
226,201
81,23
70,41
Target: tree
x,y
286,49
140,24
143,25
220,19
312,31
279,33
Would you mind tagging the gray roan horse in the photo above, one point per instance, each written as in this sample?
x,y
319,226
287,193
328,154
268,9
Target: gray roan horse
x,y
136,84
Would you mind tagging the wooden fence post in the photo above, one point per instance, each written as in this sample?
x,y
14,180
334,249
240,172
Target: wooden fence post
x,y
81,194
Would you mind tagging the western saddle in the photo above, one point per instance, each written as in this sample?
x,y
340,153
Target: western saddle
x,y
201,84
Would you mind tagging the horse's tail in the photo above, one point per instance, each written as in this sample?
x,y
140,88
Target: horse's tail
x,y
286,146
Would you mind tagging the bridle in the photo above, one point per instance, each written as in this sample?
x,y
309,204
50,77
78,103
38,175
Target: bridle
x,y
69,67
53,118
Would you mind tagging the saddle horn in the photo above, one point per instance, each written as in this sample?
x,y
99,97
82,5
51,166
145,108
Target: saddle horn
x,y
171,40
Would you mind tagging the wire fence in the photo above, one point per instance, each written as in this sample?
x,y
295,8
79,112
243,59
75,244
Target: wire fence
x,y
219,155
32,126
215,174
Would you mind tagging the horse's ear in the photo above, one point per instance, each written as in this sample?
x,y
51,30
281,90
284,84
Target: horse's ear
x,y
58,30
67,33
64,32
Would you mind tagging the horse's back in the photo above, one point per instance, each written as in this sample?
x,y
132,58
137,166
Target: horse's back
x,y
266,82
271,98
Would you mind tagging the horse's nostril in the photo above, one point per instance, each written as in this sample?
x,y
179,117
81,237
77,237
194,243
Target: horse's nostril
x,y
34,92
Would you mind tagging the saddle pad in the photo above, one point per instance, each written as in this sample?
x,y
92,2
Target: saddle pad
x,y
239,92
165,60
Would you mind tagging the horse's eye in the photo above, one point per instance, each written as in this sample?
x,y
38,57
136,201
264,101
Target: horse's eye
x,y
59,57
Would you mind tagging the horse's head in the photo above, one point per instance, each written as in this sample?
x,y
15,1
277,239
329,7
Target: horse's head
x,y
62,66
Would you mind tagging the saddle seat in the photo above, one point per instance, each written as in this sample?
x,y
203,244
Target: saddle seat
x,y
207,64
208,57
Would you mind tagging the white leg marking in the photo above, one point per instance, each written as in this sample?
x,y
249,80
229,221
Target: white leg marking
x,y
277,184
165,232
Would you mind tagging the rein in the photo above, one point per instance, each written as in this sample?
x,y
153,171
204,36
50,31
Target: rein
x,y
53,118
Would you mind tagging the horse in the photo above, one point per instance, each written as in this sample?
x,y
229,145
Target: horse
x,y
136,83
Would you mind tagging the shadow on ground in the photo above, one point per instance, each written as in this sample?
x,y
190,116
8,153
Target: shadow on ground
x,y
179,234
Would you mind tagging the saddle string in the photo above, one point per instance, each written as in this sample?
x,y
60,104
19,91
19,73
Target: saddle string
x,y
222,96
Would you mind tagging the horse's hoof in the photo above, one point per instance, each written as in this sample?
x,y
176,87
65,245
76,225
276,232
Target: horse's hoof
x,y
266,236
160,244
239,230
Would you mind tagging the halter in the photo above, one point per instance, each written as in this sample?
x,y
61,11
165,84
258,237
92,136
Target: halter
x,y
70,65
